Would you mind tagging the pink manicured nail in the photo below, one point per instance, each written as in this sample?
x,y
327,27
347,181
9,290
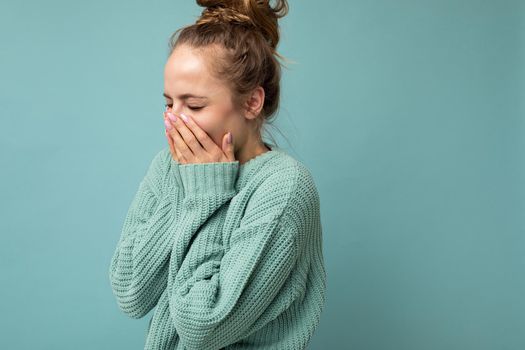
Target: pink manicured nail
x,y
184,117
172,117
168,124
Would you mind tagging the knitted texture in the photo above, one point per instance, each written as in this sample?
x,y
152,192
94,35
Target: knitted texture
x,y
230,255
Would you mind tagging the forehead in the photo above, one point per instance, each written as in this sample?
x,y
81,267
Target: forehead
x,y
187,66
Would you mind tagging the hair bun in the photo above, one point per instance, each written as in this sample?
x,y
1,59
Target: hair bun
x,y
255,13
224,14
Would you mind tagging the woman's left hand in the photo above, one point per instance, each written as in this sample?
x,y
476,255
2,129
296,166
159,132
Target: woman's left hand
x,y
194,145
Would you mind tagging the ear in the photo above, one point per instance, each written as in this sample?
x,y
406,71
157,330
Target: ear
x,y
255,103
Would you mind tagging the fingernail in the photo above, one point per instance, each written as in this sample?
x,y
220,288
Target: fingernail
x,y
184,118
172,117
230,137
168,124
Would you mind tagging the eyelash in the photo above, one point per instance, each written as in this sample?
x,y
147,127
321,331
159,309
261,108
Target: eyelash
x,y
192,108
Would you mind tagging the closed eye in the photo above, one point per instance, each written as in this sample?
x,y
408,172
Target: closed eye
x,y
194,108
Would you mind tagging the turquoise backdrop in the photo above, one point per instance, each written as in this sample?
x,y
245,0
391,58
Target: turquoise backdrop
x,y
410,115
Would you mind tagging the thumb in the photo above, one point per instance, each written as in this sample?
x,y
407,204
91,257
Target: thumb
x,y
227,146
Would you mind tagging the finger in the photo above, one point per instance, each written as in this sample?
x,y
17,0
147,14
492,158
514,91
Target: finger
x,y
204,139
188,136
170,141
181,157
178,142
227,146
174,152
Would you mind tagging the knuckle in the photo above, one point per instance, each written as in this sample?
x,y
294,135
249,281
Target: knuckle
x,y
192,142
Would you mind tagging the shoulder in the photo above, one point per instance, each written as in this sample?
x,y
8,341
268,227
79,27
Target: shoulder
x,y
301,215
303,200
292,177
288,189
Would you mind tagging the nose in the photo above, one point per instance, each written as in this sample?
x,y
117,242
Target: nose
x,y
174,109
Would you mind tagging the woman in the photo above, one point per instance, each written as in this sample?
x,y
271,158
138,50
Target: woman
x,y
224,233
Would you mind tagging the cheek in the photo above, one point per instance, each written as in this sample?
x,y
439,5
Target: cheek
x,y
212,126
207,124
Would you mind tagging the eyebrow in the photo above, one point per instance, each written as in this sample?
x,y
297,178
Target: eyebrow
x,y
185,96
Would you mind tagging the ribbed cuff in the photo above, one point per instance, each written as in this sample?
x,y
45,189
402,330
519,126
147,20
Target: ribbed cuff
x,y
174,167
203,178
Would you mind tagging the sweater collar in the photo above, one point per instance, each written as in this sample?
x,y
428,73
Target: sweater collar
x,y
250,167
245,171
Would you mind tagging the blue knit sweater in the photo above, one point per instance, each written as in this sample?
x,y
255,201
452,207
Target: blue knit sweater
x,y
230,254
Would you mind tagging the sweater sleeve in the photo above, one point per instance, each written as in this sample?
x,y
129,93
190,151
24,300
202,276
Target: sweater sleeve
x,y
219,290
139,266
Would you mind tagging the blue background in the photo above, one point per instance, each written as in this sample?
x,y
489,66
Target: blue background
x,y
410,115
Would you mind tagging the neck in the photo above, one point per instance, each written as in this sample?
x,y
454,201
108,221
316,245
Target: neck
x,y
250,150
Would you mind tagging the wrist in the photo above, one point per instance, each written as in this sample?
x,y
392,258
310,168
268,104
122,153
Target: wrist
x,y
204,178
